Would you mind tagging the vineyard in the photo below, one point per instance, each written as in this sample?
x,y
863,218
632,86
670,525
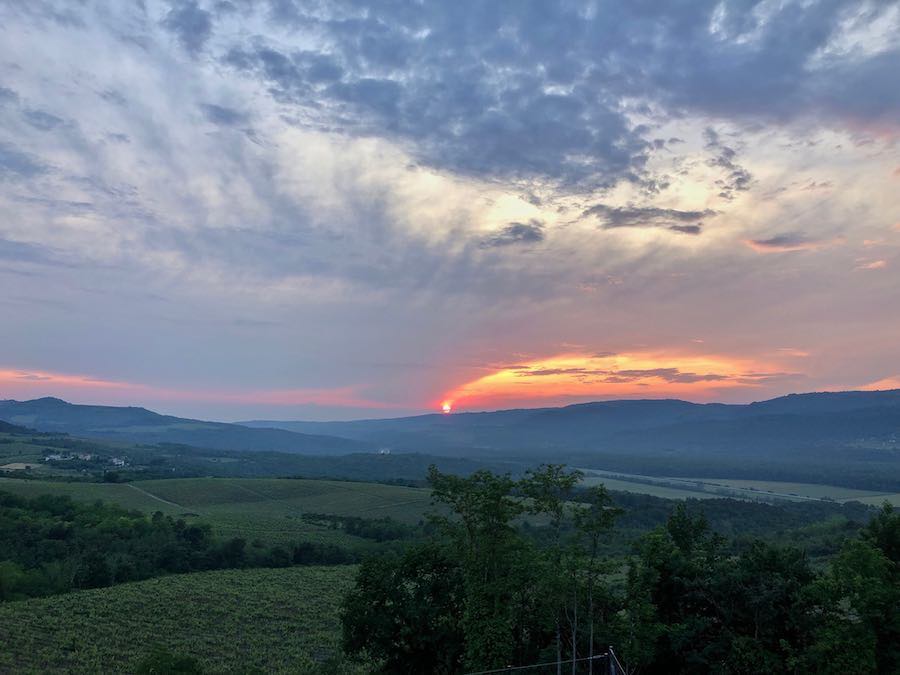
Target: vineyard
x,y
272,620
268,510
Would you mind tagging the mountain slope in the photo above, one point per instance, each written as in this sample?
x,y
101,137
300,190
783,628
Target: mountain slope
x,y
798,418
140,425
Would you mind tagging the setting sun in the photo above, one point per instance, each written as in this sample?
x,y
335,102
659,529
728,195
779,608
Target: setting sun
x,y
446,407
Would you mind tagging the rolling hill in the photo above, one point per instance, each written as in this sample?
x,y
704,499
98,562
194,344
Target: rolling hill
x,y
635,425
850,439
846,438
140,425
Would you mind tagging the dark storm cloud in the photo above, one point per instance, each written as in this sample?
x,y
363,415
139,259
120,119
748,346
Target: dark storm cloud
x,y
531,232
190,24
536,90
612,217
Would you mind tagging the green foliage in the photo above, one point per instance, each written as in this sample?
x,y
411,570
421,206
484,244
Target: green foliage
x,y
504,587
162,662
54,544
516,592
858,602
232,621
406,612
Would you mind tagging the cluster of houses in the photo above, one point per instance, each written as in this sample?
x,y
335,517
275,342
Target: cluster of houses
x,y
83,456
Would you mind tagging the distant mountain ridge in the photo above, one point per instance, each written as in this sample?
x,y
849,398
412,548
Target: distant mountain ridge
x,y
847,438
836,438
586,423
140,425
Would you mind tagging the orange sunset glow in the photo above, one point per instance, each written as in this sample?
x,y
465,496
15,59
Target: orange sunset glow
x,y
638,374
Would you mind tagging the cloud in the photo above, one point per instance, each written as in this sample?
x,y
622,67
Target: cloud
x,y
218,114
788,242
736,178
649,216
8,96
579,376
540,93
686,229
404,155
17,164
821,185
884,384
29,383
41,120
531,232
871,265
22,252
190,24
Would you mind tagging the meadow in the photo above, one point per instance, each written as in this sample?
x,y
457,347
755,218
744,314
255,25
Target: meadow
x,y
264,620
267,510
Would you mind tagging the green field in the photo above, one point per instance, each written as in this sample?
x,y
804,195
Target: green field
x,y
273,620
253,508
122,494
20,450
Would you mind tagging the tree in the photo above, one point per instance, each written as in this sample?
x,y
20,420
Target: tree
x,y
548,489
592,521
483,509
858,602
406,612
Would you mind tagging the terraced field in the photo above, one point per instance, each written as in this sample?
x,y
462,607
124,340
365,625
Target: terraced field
x,y
253,508
274,620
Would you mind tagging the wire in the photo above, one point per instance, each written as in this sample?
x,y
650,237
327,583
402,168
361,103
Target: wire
x,y
509,669
616,659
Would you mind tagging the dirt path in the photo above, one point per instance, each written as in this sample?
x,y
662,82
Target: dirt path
x,y
153,496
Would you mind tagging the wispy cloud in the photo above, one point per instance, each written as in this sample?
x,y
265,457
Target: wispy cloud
x,y
868,265
792,241
84,388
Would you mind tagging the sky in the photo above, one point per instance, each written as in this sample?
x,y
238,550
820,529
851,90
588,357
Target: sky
x,y
328,210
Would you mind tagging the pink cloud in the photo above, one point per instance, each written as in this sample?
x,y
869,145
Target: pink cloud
x,y
22,384
883,384
785,243
871,265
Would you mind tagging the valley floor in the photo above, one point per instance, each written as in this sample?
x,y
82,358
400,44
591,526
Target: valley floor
x,y
715,488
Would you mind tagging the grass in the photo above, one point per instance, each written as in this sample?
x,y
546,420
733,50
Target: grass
x,y
270,509
115,493
288,495
262,509
274,620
